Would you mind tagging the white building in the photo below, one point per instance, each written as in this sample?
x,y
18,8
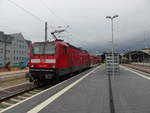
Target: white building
x,y
2,47
13,48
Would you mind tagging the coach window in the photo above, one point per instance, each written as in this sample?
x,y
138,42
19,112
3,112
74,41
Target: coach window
x,y
65,50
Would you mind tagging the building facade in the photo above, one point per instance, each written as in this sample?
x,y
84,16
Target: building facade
x,y
2,47
14,48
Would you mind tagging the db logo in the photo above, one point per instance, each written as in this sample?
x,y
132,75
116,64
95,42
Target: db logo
x,y
42,60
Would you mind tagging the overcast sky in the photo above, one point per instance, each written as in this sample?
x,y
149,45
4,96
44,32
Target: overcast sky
x,y
86,18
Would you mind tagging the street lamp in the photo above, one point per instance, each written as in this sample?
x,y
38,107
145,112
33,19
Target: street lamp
x,y
111,18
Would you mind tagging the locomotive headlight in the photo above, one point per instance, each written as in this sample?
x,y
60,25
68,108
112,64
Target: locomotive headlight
x,y
32,65
35,60
53,66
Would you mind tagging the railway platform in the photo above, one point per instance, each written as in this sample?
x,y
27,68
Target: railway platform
x,y
6,76
143,68
13,72
8,91
90,93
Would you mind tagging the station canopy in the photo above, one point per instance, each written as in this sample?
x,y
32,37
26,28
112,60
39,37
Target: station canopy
x,y
137,55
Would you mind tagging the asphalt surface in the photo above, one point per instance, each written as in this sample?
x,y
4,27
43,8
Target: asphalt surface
x,y
130,92
89,96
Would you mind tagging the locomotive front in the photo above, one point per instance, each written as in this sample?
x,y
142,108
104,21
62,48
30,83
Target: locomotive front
x,y
42,61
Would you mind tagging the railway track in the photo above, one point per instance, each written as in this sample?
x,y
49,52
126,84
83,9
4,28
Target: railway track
x,y
143,68
26,93
16,97
20,93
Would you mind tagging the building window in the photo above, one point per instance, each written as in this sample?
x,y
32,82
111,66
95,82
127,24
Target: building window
x,y
7,58
1,50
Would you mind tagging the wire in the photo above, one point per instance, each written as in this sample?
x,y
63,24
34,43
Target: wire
x,y
16,30
28,12
52,12
85,43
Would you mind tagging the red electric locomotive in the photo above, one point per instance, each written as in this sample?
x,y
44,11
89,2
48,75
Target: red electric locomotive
x,y
51,60
95,60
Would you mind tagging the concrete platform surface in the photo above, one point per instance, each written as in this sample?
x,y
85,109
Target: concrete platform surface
x,y
143,68
131,91
89,93
8,76
13,72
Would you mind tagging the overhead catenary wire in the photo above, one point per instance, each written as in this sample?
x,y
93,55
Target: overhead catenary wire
x,y
52,12
86,43
14,29
38,18
35,16
26,11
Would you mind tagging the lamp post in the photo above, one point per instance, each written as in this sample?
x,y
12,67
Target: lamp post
x,y
112,29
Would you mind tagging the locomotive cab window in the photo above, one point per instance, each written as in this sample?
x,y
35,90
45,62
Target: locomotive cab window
x,y
48,48
64,50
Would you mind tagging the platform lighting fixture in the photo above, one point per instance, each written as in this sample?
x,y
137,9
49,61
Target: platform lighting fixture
x,y
111,18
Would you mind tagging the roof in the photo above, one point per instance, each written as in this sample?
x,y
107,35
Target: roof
x,y
4,37
1,36
139,52
146,49
29,42
16,35
9,37
62,43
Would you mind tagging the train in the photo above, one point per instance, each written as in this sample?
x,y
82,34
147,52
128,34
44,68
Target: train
x,y
54,59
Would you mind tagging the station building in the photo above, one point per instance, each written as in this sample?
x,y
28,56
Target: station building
x,y
14,48
146,50
138,56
